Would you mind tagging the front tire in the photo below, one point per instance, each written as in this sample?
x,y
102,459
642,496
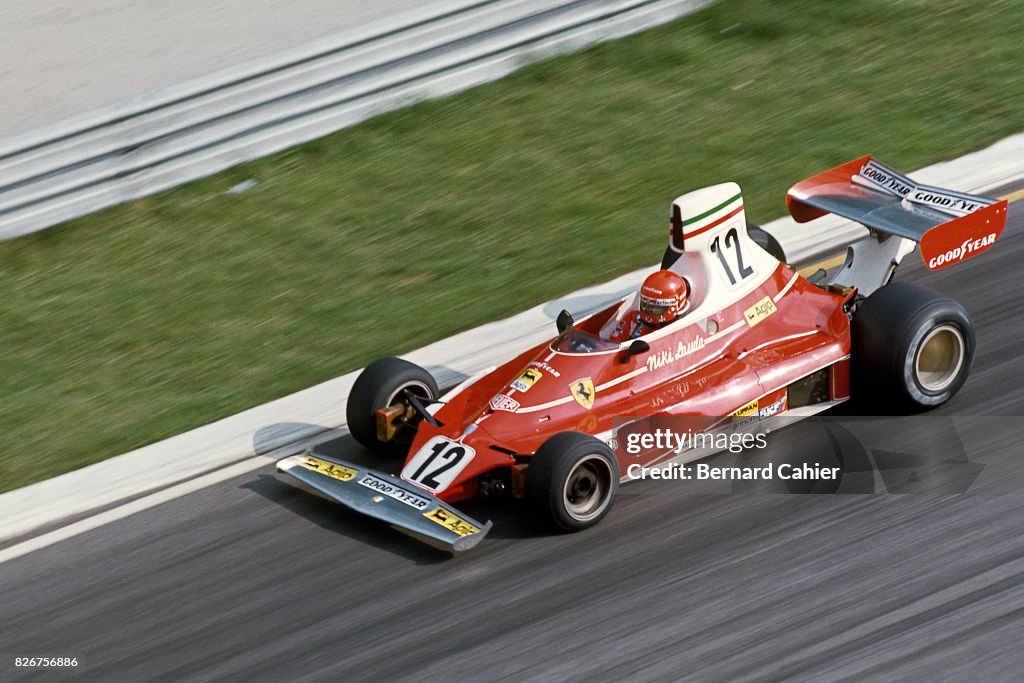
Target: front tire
x,y
912,347
572,481
383,384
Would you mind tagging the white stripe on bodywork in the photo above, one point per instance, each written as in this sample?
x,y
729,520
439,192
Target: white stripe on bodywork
x,y
598,389
716,337
789,285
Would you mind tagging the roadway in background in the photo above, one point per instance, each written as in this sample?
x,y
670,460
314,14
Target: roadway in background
x,y
59,58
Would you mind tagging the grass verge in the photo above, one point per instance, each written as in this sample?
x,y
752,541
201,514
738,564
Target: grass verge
x,y
150,318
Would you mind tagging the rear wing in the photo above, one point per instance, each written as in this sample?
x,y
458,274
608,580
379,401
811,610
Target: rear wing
x,y
949,226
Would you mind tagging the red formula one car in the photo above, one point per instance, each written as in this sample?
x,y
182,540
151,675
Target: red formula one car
x,y
757,339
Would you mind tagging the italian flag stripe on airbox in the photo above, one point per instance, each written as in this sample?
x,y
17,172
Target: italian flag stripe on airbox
x,y
713,216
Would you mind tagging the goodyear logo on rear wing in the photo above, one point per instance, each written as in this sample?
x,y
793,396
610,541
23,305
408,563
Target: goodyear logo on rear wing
x,y
881,177
451,521
759,311
944,200
330,469
964,251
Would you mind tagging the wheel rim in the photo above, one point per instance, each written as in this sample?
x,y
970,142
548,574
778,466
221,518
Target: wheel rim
x,y
587,487
939,358
422,391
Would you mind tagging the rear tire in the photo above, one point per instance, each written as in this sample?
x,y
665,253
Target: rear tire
x,y
572,481
764,240
912,347
382,385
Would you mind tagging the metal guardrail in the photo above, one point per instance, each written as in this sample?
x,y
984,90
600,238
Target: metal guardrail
x,y
155,142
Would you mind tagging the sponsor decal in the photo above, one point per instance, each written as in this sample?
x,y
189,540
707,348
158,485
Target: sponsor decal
x,y
527,379
944,201
545,367
753,412
658,360
775,408
759,311
451,521
745,415
748,409
583,391
330,469
506,403
957,254
392,491
742,422
879,177
882,178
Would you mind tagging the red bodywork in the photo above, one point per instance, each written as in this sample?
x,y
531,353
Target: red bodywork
x,y
714,366
754,340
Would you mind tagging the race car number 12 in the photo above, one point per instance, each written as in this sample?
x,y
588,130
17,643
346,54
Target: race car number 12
x,y
437,463
732,241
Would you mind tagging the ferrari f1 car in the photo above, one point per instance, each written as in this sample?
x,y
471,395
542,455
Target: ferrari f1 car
x,y
758,339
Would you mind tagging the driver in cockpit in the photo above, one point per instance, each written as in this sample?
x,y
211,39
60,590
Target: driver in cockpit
x,y
664,296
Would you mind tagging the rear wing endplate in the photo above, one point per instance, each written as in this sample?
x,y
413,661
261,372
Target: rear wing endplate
x,y
949,226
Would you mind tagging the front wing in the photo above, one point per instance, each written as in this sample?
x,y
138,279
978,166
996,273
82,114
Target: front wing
x,y
387,498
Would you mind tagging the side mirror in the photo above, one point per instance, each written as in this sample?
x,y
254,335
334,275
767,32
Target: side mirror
x,y
564,321
636,348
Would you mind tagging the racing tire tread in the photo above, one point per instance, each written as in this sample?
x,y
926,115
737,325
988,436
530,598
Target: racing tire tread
x,y
549,468
886,330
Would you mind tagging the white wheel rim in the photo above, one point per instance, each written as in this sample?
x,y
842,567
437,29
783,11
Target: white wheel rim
x,y
939,358
409,385
587,488
402,435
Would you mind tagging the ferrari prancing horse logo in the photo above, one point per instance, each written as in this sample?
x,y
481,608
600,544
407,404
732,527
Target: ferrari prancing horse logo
x,y
583,391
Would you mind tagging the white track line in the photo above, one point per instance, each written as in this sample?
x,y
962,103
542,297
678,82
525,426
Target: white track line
x,y
282,426
138,505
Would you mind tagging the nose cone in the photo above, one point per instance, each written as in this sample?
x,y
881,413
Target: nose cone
x,y
522,420
550,393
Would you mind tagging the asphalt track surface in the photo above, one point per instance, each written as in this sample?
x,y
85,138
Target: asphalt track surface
x,y
59,58
255,579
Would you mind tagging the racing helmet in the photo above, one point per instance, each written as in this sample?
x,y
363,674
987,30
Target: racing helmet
x,y
663,296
